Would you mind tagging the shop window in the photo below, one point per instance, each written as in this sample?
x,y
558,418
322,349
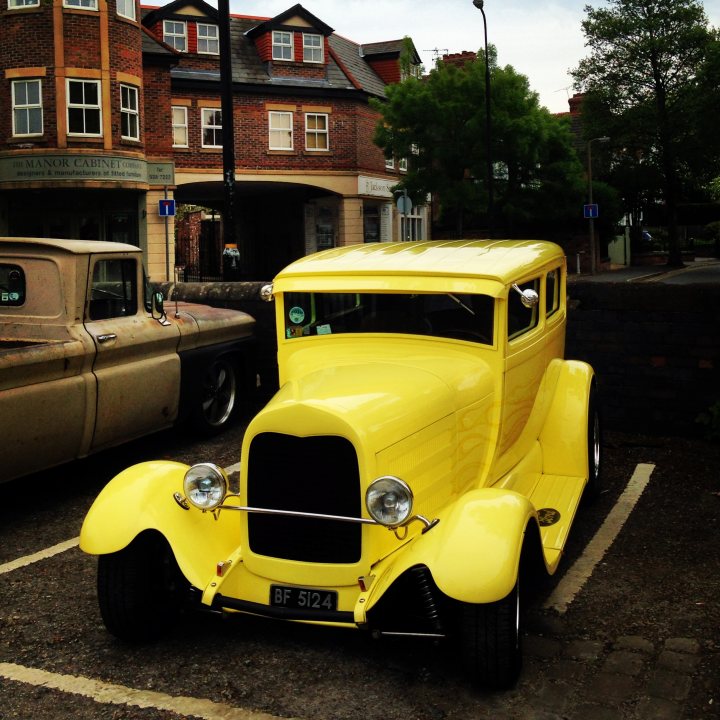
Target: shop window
x,y
316,132
211,127
129,114
281,130
282,45
126,9
180,126
312,48
84,111
27,107
371,223
208,39
175,34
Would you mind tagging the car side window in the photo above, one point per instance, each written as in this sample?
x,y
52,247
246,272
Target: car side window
x,y
552,292
520,318
114,289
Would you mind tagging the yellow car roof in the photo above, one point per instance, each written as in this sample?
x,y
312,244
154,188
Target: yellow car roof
x,y
501,261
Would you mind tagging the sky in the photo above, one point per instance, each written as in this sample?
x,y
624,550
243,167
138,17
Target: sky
x,y
541,40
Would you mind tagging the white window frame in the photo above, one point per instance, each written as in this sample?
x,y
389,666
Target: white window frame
x,y
213,126
390,163
317,133
81,4
180,125
313,53
26,108
208,39
15,4
85,107
170,37
131,114
127,9
402,165
283,43
274,130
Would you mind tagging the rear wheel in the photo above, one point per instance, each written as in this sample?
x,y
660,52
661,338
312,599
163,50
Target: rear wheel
x,y
140,589
490,639
594,447
217,398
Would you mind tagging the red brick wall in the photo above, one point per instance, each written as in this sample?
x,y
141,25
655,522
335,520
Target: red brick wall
x,y
388,70
81,33
156,111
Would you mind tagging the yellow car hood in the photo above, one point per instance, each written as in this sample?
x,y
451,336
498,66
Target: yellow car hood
x,y
383,397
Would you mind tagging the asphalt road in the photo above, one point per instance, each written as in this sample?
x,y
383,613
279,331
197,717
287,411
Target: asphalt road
x,y
639,640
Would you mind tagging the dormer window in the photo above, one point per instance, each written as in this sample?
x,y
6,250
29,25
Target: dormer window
x,y
208,39
282,45
312,48
175,34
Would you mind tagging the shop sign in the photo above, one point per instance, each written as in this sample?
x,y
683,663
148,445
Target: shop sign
x,y
76,167
377,187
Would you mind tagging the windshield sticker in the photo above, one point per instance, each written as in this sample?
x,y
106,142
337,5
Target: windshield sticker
x,y
324,330
296,315
295,331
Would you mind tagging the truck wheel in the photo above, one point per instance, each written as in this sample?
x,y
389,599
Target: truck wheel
x,y
218,397
594,448
491,641
140,589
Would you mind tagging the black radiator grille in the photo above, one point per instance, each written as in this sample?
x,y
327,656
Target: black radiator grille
x,y
315,475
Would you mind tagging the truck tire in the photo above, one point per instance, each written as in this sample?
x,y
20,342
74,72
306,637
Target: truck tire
x,y
217,398
140,589
490,641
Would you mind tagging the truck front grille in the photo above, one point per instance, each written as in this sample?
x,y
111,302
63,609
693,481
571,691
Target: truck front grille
x,y
313,475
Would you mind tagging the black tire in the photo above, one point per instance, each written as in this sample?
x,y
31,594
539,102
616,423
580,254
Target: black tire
x,y
141,590
217,398
491,641
594,448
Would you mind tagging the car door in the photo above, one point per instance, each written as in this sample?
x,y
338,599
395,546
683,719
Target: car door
x,y
137,368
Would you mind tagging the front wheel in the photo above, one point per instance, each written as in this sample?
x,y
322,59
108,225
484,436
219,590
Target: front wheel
x,y
217,398
490,638
141,590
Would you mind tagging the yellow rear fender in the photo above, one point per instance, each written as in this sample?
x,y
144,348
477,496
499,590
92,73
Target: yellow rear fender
x,y
473,553
141,498
564,435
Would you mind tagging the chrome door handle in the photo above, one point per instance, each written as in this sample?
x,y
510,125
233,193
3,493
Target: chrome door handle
x,y
106,338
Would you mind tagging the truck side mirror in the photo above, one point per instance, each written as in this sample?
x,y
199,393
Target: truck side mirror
x,y
157,308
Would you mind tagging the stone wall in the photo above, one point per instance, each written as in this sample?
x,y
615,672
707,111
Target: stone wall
x,y
655,348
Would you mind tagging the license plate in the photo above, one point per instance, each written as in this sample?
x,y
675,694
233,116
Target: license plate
x,y
303,598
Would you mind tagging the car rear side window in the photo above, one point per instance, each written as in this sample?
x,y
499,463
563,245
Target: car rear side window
x,y
12,285
522,319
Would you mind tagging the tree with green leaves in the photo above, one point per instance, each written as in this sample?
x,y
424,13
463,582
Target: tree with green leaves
x,y
438,124
640,79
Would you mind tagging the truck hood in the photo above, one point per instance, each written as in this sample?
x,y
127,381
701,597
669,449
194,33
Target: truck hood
x,y
381,399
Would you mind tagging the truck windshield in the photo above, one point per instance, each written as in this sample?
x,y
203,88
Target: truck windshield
x,y
460,316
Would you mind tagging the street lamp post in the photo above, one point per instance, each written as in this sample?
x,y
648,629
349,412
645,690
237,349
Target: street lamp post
x,y
480,5
593,252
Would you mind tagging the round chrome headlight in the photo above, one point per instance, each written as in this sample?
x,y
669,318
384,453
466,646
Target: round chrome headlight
x,y
389,501
205,485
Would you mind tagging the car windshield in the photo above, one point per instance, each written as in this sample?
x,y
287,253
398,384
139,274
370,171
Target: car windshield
x,y
450,315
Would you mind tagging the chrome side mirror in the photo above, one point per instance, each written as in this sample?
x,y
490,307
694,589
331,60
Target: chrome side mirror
x,y
157,308
266,293
529,297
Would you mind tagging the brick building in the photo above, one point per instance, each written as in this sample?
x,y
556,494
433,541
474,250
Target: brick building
x,y
107,107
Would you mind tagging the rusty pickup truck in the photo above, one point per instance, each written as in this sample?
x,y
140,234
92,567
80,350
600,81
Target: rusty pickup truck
x,y
90,357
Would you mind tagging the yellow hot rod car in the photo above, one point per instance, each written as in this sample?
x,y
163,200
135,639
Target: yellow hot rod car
x,y
426,452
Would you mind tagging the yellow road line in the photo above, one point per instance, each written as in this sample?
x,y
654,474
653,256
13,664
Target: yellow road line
x,y
574,579
110,694
36,557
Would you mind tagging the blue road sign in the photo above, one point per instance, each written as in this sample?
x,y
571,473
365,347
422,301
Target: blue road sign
x,y
166,208
590,210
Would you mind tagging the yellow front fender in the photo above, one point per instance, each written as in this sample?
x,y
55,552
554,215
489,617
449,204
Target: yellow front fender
x,y
141,498
473,553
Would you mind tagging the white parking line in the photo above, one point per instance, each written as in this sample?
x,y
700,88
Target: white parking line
x,y
111,694
574,579
36,557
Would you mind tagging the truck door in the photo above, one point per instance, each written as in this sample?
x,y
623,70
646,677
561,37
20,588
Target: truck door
x,y
136,366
